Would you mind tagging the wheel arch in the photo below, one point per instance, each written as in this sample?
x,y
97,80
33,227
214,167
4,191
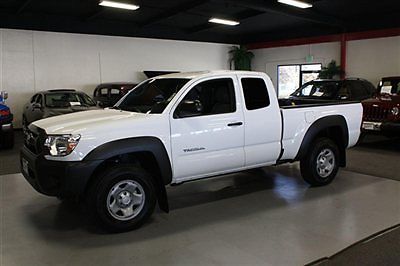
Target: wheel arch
x,y
333,127
148,152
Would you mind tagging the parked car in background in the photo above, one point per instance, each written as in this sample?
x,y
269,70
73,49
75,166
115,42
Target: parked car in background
x,y
333,90
382,113
108,94
55,102
6,125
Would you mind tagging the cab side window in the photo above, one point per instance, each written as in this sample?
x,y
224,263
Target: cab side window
x,y
255,93
210,97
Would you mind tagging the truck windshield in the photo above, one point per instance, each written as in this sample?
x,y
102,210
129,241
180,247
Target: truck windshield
x,y
320,90
152,96
391,87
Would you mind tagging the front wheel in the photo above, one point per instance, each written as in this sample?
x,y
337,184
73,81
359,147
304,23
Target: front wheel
x,y
320,165
122,199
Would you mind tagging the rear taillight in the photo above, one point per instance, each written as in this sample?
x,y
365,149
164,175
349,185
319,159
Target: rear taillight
x,y
4,112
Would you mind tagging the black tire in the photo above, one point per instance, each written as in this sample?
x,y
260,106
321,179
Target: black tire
x,y
98,193
309,163
8,139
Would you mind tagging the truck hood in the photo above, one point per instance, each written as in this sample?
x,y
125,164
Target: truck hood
x,y
67,110
87,121
386,100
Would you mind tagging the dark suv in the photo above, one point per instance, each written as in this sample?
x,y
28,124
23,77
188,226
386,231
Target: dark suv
x,y
108,94
55,102
334,90
382,113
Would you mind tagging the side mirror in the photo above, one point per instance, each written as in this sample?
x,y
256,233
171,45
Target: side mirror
x,y
188,108
37,106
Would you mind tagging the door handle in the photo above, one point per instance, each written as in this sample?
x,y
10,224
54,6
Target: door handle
x,y
237,124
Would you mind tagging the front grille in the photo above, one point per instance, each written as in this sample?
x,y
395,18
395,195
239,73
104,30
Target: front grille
x,y
34,139
375,113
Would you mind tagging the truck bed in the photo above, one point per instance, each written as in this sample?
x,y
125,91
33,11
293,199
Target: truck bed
x,y
297,119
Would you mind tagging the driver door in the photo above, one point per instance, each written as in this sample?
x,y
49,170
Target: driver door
x,y
209,140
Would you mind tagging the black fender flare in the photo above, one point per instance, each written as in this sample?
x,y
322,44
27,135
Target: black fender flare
x,y
152,145
319,126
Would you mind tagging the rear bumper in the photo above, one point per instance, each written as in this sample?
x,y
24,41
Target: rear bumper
x,y
387,128
56,178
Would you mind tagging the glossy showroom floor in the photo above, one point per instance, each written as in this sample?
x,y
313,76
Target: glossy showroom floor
x,y
261,217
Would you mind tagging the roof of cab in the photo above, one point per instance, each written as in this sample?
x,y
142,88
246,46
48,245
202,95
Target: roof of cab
x,y
199,74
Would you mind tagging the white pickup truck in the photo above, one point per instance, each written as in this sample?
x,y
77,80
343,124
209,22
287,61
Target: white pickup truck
x,y
177,128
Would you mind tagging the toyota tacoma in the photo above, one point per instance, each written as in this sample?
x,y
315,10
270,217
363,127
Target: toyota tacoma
x,y
177,128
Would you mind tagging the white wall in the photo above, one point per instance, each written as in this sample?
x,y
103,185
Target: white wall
x,y
31,61
371,59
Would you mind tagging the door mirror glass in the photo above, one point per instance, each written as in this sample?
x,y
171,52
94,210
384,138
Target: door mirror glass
x,y
188,108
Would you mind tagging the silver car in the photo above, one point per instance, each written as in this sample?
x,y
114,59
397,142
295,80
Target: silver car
x,y
55,102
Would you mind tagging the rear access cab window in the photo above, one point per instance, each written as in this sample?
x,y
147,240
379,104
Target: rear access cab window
x,y
255,93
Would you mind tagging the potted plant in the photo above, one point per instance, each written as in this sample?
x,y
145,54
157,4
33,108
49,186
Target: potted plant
x,y
330,71
241,58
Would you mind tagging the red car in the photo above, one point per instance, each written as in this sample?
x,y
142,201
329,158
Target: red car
x,y
382,113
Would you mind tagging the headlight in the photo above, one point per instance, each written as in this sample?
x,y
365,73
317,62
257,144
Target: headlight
x,y
395,111
61,145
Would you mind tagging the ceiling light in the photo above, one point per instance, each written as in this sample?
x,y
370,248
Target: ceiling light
x,y
224,21
296,3
118,5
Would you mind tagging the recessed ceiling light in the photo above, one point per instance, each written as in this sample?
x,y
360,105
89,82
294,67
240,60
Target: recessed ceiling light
x,y
224,21
118,5
296,3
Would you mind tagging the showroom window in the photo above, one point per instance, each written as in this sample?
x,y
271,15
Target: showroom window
x,y
255,93
215,96
291,77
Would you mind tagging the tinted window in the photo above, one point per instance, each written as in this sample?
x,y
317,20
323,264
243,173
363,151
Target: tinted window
x,y
389,87
216,97
114,92
358,91
324,90
255,93
67,99
371,90
152,95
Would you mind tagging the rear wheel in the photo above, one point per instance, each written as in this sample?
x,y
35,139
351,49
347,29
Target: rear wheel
x,y
320,165
122,199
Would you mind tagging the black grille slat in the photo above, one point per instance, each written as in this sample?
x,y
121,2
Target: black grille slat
x,y
376,113
34,140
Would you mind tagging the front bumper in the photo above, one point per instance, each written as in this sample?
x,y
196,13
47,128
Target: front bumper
x,y
388,128
56,178
6,124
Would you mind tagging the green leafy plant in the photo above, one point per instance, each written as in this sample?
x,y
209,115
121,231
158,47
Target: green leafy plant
x,y
330,71
241,58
